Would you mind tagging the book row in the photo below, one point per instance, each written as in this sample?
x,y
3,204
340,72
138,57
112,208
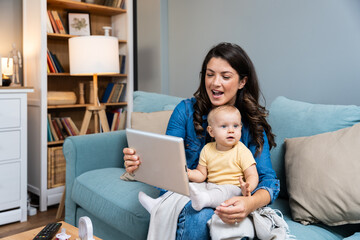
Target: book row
x,y
53,63
114,92
61,127
54,23
111,3
116,119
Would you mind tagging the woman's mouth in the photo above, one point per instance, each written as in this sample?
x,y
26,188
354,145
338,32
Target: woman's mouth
x,y
217,93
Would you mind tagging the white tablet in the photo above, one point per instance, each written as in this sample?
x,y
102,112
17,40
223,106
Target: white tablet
x,y
163,162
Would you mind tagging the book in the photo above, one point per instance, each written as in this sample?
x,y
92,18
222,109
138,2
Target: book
x,y
107,92
119,93
57,63
116,116
52,20
61,126
122,61
55,70
58,22
49,63
53,132
49,135
66,126
122,121
123,94
49,28
73,126
57,130
114,96
111,93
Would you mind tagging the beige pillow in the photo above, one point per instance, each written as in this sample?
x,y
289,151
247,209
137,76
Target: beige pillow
x,y
155,122
323,177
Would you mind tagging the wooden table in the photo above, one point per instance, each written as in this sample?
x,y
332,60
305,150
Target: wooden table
x,y
29,235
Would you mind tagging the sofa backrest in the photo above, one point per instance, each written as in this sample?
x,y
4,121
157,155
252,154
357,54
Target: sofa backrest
x,y
152,102
289,119
152,111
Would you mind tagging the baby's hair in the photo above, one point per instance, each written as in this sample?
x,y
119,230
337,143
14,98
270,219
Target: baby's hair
x,y
214,111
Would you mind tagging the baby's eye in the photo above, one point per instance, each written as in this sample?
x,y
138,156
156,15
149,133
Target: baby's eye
x,y
236,126
223,126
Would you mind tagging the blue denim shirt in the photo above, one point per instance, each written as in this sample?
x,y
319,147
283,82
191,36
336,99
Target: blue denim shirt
x,y
181,125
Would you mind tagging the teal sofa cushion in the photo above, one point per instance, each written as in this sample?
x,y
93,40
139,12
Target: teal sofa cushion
x,y
290,118
153,102
102,193
314,231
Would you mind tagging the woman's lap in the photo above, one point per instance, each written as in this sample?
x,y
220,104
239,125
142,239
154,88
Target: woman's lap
x,y
192,224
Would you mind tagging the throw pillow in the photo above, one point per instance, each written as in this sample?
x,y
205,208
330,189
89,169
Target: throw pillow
x,y
290,118
155,122
323,179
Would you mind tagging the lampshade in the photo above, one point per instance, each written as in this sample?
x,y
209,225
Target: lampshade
x,y
90,55
7,66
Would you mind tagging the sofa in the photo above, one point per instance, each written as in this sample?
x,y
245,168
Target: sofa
x,y
94,164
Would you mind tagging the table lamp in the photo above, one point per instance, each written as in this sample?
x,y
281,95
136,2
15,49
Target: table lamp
x,y
93,56
7,68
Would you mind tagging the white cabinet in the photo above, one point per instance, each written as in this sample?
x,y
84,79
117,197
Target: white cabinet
x,y
13,154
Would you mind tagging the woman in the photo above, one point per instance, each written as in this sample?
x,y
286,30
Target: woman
x,y
227,77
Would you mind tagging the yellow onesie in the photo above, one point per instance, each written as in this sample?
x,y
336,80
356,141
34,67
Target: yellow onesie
x,y
225,167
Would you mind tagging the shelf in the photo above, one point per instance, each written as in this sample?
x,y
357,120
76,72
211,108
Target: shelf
x,y
69,75
59,36
85,105
89,76
55,143
86,7
84,76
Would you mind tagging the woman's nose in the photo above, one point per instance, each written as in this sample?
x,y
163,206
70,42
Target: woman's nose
x,y
216,81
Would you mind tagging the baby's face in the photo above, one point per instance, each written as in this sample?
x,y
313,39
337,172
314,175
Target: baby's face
x,y
226,129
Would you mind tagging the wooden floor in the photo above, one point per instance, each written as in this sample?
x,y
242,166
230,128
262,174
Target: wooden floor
x,y
40,219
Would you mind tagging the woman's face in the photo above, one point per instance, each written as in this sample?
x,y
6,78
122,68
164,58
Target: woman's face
x,y
222,82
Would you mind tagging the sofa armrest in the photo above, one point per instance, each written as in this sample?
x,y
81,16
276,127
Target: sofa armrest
x,y
89,152
94,151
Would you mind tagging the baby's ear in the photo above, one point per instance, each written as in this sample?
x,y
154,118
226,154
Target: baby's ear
x,y
210,131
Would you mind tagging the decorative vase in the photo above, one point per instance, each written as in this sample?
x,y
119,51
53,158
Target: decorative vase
x,y
91,98
81,93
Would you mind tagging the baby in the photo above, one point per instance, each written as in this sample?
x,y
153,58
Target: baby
x,y
227,164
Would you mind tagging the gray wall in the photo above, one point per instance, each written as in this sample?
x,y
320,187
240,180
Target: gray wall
x,y
305,50
10,26
152,33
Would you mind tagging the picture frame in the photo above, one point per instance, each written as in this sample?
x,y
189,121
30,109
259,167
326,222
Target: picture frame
x,y
79,24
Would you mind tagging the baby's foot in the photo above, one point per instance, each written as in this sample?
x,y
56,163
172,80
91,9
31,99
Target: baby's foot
x,y
199,199
148,202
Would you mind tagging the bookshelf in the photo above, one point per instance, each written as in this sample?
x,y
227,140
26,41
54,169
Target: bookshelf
x,y
36,41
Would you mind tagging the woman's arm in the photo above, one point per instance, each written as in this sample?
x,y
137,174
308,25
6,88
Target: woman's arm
x,y
267,175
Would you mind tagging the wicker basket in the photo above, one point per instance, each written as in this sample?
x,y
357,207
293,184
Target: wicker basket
x,y
56,167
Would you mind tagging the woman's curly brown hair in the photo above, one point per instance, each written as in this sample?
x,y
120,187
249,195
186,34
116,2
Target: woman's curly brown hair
x,y
247,99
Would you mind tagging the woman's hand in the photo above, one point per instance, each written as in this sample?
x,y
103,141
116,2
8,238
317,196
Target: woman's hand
x,y
131,160
235,209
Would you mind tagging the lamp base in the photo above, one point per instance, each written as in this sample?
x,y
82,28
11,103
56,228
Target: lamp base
x,y
6,82
94,110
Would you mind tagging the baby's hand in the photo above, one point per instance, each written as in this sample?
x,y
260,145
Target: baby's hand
x,y
188,172
245,188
